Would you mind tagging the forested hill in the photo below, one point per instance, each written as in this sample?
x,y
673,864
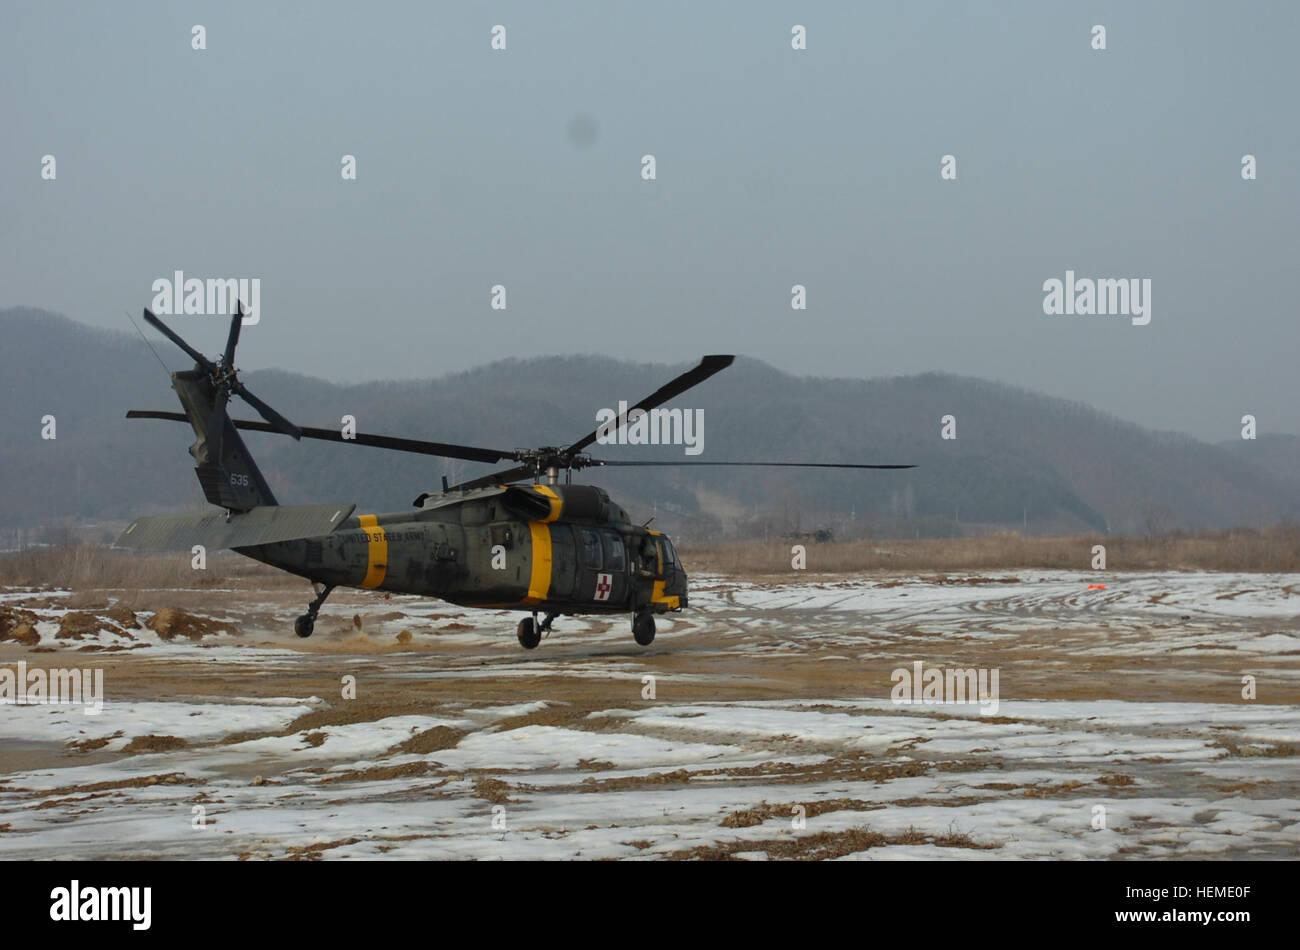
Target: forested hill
x,y
1018,457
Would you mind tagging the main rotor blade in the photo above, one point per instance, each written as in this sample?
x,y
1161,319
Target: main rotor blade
x,y
266,412
175,338
442,449
514,474
601,462
237,321
708,366
496,478
450,450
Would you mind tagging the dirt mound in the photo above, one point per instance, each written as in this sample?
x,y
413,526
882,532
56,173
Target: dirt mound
x,y
170,622
48,603
11,618
91,745
76,624
25,634
123,616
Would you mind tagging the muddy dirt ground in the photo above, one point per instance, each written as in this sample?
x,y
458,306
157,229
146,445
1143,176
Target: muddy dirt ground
x,y
1158,716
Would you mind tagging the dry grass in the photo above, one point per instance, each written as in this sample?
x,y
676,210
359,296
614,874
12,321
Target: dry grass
x,y
91,566
313,852
493,790
152,743
1270,549
97,567
827,845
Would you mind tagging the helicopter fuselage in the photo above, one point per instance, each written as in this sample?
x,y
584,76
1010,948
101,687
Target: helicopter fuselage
x,y
561,549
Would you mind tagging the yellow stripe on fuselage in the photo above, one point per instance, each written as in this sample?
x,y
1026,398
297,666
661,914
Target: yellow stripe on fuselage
x,y
539,580
557,503
377,551
659,597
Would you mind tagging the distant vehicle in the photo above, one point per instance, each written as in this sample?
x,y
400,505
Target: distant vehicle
x,y
821,534
488,542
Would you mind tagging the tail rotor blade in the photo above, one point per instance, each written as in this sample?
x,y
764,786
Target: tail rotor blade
x,y
175,338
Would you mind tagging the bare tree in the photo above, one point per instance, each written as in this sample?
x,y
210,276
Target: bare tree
x,y
1155,521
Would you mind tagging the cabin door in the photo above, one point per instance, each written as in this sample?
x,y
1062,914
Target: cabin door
x,y
602,566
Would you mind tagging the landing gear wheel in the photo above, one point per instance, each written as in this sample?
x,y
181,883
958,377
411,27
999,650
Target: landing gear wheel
x,y
305,624
643,628
528,634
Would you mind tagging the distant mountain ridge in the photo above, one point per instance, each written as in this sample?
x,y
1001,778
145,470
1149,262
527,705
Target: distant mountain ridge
x,y
1019,459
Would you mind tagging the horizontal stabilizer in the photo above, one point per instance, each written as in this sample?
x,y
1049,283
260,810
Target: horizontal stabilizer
x,y
245,529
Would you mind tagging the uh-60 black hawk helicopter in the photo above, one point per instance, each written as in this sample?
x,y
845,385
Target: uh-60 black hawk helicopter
x,y
542,547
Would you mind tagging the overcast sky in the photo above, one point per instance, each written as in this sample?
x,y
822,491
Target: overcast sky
x,y
774,167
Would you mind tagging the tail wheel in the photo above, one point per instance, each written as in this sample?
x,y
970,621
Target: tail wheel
x,y
643,628
528,634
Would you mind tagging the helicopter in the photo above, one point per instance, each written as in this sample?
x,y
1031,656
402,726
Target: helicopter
x,y
514,539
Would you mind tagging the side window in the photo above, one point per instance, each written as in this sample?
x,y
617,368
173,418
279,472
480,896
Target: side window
x,y
615,559
591,558
667,554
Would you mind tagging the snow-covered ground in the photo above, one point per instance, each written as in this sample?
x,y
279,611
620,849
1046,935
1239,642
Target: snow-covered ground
x,y
1158,717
